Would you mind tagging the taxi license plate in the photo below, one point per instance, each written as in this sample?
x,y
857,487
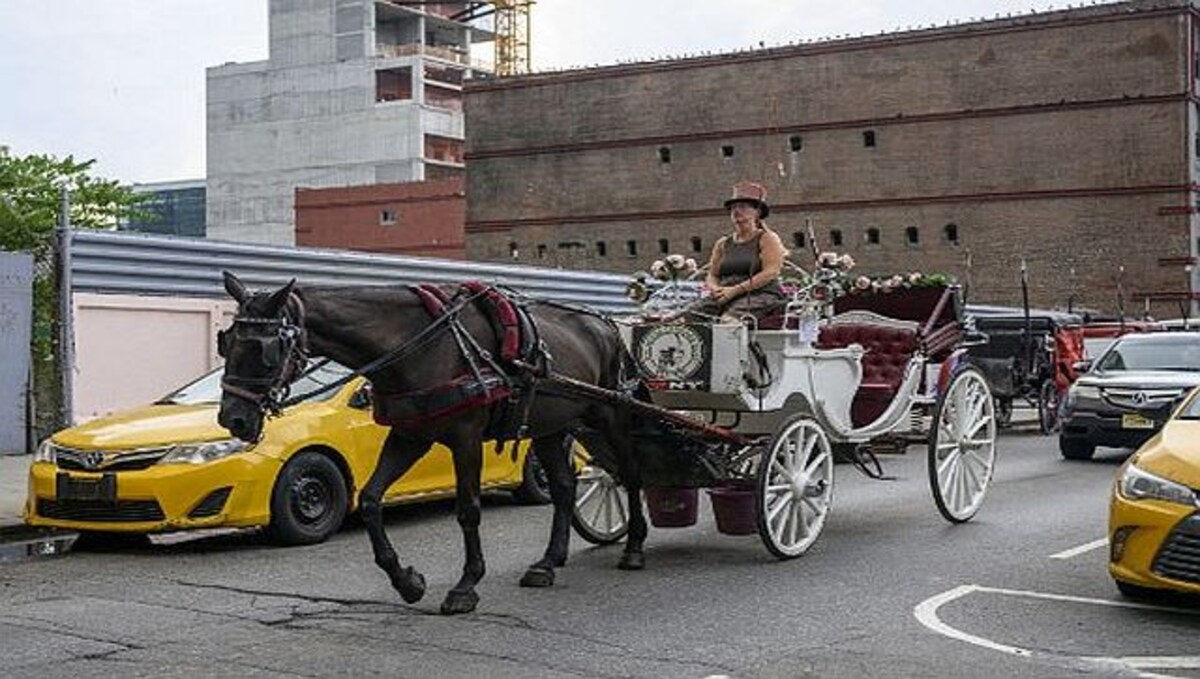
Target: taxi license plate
x,y
1135,421
102,489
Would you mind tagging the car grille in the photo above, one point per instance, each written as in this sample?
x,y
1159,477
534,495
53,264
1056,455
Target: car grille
x,y
1142,399
212,504
97,510
108,460
1179,558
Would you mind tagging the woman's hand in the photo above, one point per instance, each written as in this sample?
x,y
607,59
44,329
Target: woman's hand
x,y
725,293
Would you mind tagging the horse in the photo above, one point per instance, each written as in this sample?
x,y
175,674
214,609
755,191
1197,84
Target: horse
x,y
390,334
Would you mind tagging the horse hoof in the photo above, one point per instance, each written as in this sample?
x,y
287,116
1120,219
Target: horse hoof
x,y
410,584
459,602
632,561
538,577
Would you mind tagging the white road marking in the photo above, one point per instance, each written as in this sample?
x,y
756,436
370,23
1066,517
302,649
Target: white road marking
x,y
1081,549
926,613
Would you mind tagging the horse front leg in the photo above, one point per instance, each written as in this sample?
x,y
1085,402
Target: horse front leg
x,y
467,450
396,458
552,454
632,558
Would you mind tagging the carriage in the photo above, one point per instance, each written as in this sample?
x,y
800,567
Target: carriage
x,y
1029,356
757,412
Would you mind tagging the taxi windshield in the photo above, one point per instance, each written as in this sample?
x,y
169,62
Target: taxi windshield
x,y
207,389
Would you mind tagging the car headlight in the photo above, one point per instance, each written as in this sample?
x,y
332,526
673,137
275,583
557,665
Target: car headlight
x,y
46,452
1138,484
206,451
1084,391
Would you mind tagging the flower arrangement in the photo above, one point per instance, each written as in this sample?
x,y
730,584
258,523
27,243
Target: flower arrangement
x,y
671,270
832,279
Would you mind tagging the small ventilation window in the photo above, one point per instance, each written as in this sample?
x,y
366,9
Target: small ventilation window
x,y
513,250
798,239
387,217
873,236
664,154
795,143
664,246
912,235
835,237
541,251
727,151
869,138
631,248
601,249
697,244
951,232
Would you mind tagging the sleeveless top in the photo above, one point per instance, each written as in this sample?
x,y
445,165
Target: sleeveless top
x,y
740,261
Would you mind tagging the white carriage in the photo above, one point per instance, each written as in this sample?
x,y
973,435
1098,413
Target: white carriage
x,y
762,411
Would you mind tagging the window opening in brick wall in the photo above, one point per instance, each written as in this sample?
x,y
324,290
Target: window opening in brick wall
x,y
387,217
664,246
912,235
513,250
795,143
873,236
697,244
798,239
631,248
835,236
601,249
727,151
951,233
869,138
541,251
664,154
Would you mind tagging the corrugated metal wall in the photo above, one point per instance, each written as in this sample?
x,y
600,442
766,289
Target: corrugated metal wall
x,y
138,264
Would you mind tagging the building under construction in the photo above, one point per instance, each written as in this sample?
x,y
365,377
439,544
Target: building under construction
x,y
1066,139
354,93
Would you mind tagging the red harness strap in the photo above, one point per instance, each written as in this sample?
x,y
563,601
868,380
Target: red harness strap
x,y
504,311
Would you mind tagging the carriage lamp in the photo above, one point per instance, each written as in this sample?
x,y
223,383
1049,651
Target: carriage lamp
x,y
203,451
1138,484
1120,538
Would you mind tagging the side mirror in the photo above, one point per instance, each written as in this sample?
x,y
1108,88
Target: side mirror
x,y
361,399
1082,366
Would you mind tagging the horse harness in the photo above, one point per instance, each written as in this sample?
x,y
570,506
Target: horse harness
x,y
284,350
509,377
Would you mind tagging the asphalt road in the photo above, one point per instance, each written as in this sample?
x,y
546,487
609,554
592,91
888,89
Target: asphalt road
x,y
890,589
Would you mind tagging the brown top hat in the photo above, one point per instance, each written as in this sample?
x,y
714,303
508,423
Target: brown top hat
x,y
750,193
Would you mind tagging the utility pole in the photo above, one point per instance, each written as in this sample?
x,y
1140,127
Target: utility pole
x,y
66,326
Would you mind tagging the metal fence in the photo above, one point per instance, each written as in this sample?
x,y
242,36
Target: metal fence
x,y
138,264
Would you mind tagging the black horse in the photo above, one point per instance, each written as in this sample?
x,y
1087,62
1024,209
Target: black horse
x,y
273,334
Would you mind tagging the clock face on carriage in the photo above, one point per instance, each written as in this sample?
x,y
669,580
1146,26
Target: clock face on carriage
x,y
673,356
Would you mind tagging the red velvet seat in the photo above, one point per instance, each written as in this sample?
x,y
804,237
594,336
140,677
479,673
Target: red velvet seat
x,y
888,352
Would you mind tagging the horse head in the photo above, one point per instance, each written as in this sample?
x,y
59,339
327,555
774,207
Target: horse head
x,y
265,349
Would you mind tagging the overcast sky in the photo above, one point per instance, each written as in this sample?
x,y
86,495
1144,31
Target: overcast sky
x,y
122,81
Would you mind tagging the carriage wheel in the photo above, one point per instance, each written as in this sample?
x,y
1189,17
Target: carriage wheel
x,y
601,512
962,446
1048,407
795,487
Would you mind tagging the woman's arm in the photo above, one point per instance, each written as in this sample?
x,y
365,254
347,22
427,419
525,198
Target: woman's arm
x,y
712,279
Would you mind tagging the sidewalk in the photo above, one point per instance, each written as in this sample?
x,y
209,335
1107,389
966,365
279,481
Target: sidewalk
x,y
14,470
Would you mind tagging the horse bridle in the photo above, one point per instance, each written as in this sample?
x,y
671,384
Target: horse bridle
x,y
268,393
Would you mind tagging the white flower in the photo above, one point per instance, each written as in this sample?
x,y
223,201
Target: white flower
x,y
896,280
676,262
914,278
689,266
845,262
862,283
828,259
659,270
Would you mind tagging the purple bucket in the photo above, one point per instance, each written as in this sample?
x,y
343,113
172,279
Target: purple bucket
x,y
672,507
734,508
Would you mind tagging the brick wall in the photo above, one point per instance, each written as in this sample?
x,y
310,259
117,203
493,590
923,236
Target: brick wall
x,y
1057,138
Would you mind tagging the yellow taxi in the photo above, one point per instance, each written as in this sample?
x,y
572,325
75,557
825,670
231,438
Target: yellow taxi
x,y
1154,515
169,466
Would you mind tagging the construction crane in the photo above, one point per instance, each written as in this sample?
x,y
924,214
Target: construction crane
x,y
511,26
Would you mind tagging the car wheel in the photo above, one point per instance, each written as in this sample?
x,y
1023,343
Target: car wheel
x,y
1076,449
535,485
309,500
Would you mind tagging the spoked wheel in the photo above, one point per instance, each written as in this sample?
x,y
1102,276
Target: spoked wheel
x,y
962,446
795,487
601,512
1048,407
